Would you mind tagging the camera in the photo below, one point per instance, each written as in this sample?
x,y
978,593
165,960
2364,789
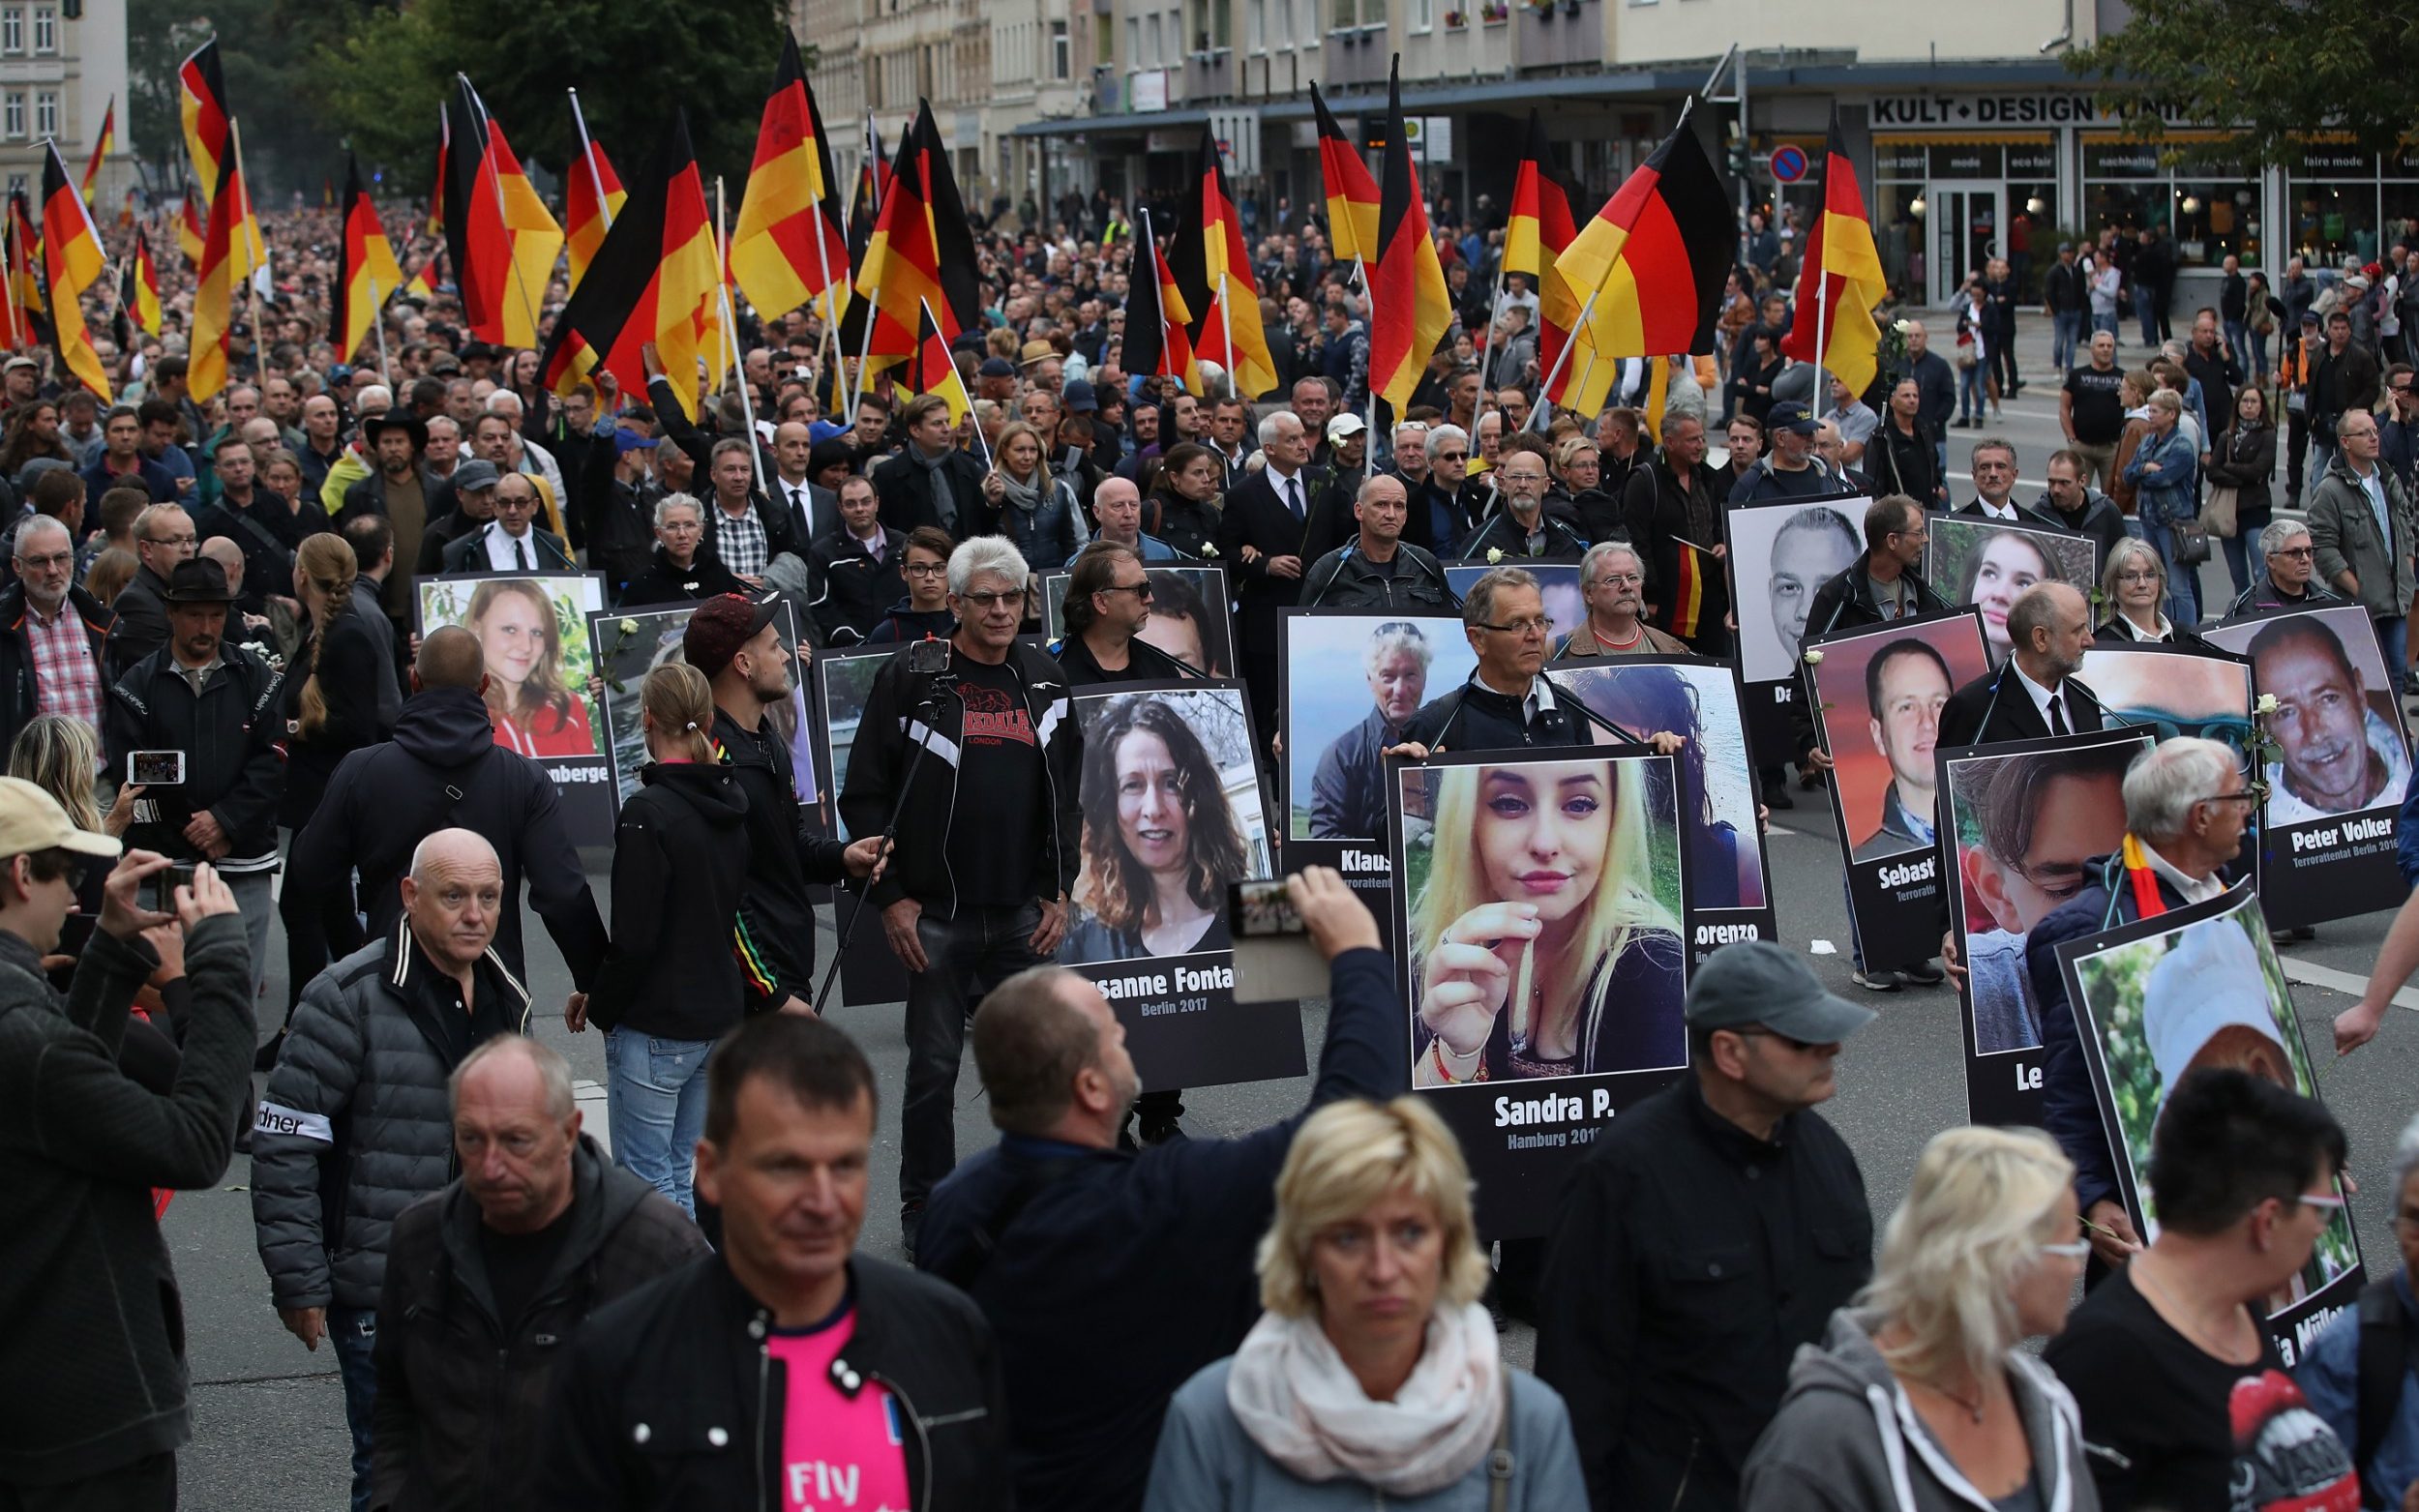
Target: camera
x,y
165,883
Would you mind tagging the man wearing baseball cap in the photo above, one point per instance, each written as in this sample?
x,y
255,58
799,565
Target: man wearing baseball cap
x,y
1789,469
1710,1231
735,642
91,1357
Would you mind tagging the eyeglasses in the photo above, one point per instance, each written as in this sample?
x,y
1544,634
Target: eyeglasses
x,y
2245,796
925,568
2325,1201
985,602
1521,627
2295,551
2079,1249
1618,579
2139,575
1140,590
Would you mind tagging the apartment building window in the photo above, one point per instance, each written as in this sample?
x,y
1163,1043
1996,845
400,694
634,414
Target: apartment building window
x,y
1062,51
1350,13
1423,14
13,29
1214,25
1282,13
45,113
13,115
1104,45
1159,53
45,29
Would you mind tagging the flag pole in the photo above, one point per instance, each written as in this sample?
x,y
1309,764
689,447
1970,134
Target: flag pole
x,y
251,278
721,291
1226,329
1562,360
587,154
1494,312
503,217
377,323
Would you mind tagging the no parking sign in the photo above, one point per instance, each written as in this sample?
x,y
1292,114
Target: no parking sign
x,y
1788,162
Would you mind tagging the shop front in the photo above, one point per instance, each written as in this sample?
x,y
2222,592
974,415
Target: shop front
x,y
1945,205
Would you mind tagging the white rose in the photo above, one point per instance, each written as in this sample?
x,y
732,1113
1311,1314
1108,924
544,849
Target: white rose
x,y
2267,704
1494,554
1813,656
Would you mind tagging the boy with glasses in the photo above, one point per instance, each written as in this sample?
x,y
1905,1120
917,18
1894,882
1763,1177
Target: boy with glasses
x,y
925,610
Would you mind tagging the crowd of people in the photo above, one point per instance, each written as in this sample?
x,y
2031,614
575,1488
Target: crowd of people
x,y
215,671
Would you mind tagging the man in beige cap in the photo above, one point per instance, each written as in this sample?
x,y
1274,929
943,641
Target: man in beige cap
x,y
92,1353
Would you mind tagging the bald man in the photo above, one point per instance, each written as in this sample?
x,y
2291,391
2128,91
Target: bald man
x,y
814,510
356,1106
458,1406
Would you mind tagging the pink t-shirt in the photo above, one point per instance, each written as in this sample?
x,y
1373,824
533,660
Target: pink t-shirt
x,y
837,1453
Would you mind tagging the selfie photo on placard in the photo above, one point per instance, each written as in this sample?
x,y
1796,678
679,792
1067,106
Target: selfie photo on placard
x,y
635,642
1173,815
1349,679
1987,564
1729,891
2169,995
1878,690
543,690
2019,822
1545,970
2334,760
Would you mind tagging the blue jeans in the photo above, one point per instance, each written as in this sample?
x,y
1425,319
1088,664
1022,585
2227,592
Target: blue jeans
x,y
2183,582
2066,328
2145,311
1970,392
2258,340
2237,560
655,1103
354,1333
2392,638
2104,320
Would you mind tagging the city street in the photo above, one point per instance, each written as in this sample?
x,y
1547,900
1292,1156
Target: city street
x,y
269,1428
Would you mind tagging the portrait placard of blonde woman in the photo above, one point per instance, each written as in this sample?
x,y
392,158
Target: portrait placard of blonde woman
x,y
1542,919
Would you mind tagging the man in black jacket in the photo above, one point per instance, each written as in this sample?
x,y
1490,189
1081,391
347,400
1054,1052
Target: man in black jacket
x,y
860,563
2033,694
931,482
1671,509
1505,705
734,642
488,1279
1710,1232
163,535
1378,569
976,890
1260,541
1163,1239
444,768
92,1340
787,1367
217,703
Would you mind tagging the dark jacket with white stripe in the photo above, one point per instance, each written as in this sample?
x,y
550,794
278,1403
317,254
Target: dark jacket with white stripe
x,y
354,1126
229,736
887,737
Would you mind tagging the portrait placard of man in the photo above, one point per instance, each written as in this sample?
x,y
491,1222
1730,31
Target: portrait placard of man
x,y
2336,754
1904,688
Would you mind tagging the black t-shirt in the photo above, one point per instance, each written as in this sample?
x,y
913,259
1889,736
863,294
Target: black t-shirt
x,y
518,1263
2099,405
1000,782
2195,1431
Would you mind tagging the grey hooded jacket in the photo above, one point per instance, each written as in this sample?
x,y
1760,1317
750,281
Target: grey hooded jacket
x,y
354,1126
1847,1440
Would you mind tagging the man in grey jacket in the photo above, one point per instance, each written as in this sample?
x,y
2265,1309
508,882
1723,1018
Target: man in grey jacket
x,y
354,1128
2360,522
92,1346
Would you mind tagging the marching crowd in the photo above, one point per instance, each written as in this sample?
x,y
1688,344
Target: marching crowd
x,y
211,673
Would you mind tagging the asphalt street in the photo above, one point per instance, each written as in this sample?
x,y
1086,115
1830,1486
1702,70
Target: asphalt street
x,y
268,1416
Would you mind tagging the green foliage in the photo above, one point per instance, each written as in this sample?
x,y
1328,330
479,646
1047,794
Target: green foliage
x,y
385,80
266,51
2273,71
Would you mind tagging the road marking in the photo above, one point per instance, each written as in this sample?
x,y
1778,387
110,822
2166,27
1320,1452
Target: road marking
x,y
2353,987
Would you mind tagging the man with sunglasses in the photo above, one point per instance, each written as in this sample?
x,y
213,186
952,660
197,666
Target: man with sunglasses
x,y
2290,581
1108,603
1710,1232
2186,807
985,848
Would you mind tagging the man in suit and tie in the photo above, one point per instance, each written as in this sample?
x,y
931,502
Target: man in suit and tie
x,y
2035,693
1260,544
510,542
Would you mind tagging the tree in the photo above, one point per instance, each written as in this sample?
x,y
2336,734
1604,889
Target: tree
x,y
2273,73
385,81
265,52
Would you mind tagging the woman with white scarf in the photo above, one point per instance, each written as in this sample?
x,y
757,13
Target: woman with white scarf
x,y
1374,1377
1038,512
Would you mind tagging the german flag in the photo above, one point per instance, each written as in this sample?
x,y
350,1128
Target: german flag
x,y
502,240
592,195
102,147
25,294
72,262
202,104
922,251
126,211
1352,195
139,292
873,183
1158,342
1410,310
1214,268
422,284
1646,273
789,249
214,291
190,234
1683,618
656,278
1841,283
1539,227
933,370
367,273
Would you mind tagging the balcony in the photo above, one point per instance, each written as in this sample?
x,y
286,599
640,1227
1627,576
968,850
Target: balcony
x,y
1353,55
1209,75
1560,32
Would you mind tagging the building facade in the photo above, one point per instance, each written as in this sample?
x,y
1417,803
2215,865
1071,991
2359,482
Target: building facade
x,y
62,62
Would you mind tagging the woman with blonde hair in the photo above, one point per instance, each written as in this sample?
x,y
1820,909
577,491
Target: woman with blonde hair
x,y
2134,586
1538,944
110,573
1038,512
670,985
1922,1397
1373,1376
533,708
